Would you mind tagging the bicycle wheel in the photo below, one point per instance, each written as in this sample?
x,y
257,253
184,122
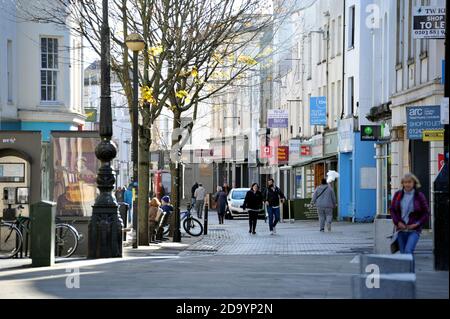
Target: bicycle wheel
x,y
66,241
166,229
10,241
192,226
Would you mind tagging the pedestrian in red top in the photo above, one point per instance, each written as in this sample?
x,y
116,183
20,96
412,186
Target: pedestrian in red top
x,y
409,211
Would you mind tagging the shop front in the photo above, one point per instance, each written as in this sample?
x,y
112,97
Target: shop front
x,y
20,172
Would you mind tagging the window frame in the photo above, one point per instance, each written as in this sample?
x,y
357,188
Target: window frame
x,y
49,70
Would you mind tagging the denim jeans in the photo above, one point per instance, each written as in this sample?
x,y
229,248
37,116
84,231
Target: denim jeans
x,y
273,212
407,241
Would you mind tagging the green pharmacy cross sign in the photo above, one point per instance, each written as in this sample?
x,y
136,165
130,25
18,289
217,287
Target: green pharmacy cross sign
x,y
370,132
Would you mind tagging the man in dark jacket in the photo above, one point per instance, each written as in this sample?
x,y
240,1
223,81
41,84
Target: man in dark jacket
x,y
194,187
273,197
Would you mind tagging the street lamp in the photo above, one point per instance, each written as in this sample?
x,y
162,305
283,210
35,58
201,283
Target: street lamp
x,y
135,43
105,226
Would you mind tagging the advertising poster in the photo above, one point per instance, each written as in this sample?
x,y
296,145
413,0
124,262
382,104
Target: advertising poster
x,y
75,169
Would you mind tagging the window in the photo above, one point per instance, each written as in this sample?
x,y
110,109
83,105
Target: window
x,y
309,56
339,97
332,101
351,28
339,35
9,70
424,42
49,69
411,40
400,36
333,37
323,37
351,96
319,45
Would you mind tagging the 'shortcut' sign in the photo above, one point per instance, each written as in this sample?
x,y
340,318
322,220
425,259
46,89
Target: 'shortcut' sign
x,y
429,22
277,118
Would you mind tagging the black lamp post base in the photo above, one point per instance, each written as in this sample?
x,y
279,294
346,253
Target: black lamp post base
x,y
105,233
176,236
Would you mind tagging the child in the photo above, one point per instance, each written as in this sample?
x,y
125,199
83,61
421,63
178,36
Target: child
x,y
153,216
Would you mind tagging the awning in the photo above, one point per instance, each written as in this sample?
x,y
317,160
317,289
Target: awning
x,y
316,160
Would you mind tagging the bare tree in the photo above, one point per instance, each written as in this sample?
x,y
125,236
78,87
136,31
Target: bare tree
x,y
187,44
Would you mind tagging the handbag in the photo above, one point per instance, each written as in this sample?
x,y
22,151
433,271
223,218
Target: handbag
x,y
313,204
394,241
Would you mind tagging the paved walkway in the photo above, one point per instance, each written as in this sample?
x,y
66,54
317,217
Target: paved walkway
x,y
298,262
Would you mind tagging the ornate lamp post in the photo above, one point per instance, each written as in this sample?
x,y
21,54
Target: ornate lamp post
x,y
135,43
105,227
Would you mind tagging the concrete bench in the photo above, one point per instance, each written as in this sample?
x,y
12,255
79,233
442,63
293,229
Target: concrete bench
x,y
391,286
388,264
385,277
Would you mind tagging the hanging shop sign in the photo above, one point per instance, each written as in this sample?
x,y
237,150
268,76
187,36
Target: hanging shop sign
x,y
370,132
420,118
283,154
266,152
91,115
432,135
305,150
277,118
318,110
429,22
440,161
294,150
346,136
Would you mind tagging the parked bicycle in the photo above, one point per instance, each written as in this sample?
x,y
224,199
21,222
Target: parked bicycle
x,y
191,225
12,235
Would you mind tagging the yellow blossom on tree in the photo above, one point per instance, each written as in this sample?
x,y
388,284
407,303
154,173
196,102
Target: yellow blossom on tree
x,y
147,95
194,72
246,60
181,94
218,58
154,51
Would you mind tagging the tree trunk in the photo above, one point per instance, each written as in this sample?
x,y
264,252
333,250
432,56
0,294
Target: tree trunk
x,y
173,172
143,183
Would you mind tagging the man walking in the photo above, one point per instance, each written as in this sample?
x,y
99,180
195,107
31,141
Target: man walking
x,y
325,201
273,197
194,187
199,195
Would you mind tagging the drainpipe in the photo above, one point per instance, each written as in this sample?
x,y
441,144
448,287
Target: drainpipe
x,y
379,165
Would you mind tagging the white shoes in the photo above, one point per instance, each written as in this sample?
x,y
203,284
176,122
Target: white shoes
x,y
271,232
274,230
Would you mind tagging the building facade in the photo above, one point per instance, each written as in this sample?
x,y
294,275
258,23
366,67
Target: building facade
x,y
41,73
120,116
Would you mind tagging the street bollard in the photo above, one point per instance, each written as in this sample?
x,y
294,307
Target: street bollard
x,y
42,218
123,210
205,221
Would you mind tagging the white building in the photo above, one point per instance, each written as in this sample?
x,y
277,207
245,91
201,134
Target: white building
x,y
121,119
41,75
418,75
314,69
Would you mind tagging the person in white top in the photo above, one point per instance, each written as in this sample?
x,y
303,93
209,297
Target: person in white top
x,y
199,195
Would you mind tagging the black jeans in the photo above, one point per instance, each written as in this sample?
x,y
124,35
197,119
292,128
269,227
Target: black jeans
x,y
252,219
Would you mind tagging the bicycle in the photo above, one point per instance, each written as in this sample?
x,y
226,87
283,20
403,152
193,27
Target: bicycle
x,y
67,239
12,238
191,225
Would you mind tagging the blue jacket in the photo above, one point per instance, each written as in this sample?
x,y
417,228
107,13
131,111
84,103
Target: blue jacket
x,y
128,197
